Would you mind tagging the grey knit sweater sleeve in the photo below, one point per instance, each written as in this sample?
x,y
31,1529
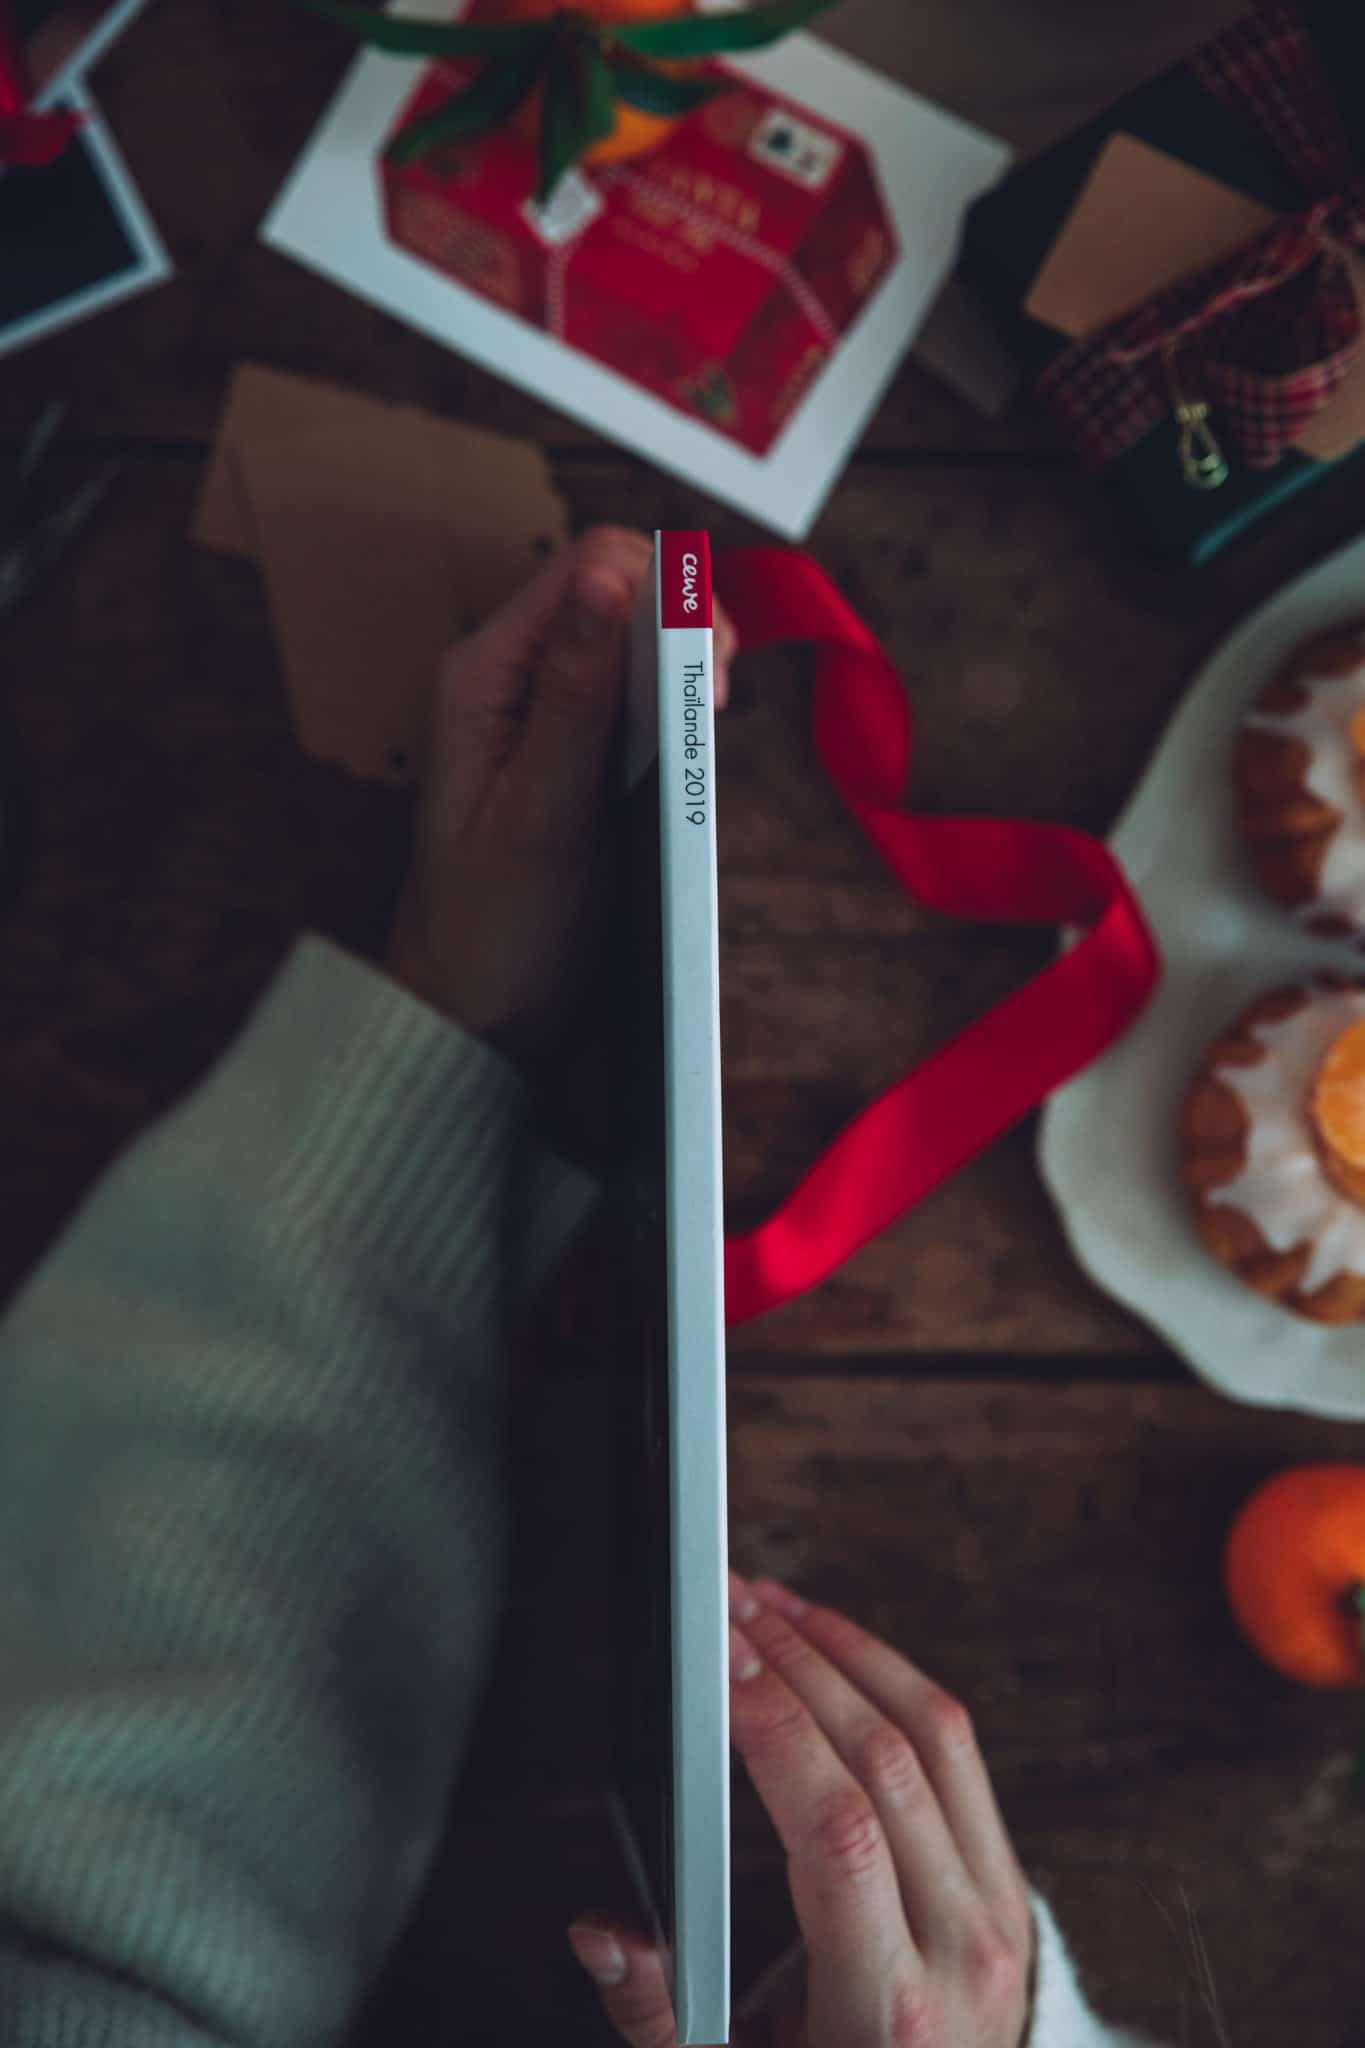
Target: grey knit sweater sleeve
x,y
252,1525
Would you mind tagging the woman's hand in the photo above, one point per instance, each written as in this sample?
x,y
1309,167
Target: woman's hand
x,y
915,1915
495,923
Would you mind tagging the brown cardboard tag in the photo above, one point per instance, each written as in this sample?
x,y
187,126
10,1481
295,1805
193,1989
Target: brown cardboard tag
x,y
1142,221
261,405
383,533
362,591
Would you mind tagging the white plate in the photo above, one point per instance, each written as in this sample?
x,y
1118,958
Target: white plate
x,y
1107,1148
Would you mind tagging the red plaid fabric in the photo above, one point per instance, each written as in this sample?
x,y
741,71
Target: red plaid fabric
x,y
1268,334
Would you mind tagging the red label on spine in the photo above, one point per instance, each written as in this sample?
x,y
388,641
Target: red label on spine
x,y
685,579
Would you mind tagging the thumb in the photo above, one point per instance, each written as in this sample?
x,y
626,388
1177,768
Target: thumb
x,y
576,699
628,1971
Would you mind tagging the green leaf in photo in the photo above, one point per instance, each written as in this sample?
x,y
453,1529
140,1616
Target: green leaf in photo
x,y
707,35
598,87
495,94
404,36
562,126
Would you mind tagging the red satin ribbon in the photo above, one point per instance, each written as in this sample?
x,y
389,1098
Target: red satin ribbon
x,y
963,1096
27,141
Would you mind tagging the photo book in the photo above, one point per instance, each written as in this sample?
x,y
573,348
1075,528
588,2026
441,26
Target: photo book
x,y
670,1605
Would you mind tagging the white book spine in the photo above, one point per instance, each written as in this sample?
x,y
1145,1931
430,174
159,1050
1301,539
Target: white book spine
x,y
701,1762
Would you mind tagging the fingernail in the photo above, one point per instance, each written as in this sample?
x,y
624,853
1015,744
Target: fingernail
x,y
743,1606
745,1662
789,1605
600,1953
593,608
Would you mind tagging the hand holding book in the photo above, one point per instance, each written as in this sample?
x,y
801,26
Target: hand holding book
x,y
495,923
915,1915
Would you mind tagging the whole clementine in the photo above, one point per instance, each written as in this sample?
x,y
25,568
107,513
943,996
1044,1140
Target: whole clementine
x,y
635,132
1294,1570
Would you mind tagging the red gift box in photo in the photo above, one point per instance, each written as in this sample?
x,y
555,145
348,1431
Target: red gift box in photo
x,y
719,271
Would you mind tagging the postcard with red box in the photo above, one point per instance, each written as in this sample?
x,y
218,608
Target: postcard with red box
x,y
731,305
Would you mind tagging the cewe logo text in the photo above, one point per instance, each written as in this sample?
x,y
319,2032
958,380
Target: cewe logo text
x,y
684,579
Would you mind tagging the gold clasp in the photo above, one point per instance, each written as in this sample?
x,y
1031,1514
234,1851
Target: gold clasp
x,y
1202,461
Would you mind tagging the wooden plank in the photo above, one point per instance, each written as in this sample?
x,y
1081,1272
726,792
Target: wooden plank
x,y
1024,76
183,840
244,303
1051,1555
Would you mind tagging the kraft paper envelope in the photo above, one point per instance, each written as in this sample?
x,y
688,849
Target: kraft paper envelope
x,y
1142,221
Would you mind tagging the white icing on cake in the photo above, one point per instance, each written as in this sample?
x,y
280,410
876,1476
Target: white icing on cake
x,y
1323,727
1282,1186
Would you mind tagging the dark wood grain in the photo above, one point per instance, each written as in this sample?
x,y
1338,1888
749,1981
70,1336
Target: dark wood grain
x,y
1025,74
957,1438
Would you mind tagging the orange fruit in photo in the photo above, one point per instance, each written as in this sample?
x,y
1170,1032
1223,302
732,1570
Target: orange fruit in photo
x,y
1294,1568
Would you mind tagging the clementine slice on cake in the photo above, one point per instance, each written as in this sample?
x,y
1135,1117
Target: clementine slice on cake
x,y
1338,1103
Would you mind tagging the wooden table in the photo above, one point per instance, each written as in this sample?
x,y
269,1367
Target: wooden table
x,y
957,1438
